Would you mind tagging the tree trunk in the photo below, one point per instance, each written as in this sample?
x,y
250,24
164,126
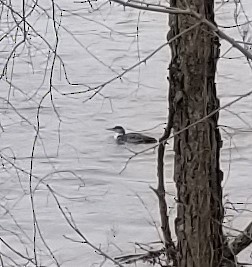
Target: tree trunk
x,y
197,173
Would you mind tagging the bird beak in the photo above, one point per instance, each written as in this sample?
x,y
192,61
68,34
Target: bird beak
x,y
110,129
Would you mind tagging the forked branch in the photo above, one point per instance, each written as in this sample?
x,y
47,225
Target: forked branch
x,y
187,11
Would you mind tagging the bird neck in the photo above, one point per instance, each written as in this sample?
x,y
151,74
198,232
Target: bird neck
x,y
116,135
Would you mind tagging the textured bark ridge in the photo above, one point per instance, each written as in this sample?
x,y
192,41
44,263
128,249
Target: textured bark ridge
x,y
197,173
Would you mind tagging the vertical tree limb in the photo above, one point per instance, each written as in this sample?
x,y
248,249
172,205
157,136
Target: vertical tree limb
x,y
160,192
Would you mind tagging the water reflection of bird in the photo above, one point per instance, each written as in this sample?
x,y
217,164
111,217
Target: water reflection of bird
x,y
135,138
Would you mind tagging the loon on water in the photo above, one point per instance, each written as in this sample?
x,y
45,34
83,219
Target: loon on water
x,y
135,138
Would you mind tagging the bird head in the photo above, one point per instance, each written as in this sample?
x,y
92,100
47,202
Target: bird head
x,y
117,129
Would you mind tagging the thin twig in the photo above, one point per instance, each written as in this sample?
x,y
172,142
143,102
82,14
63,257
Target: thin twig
x,y
74,227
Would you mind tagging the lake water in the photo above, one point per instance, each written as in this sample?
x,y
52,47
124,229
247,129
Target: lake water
x,y
109,200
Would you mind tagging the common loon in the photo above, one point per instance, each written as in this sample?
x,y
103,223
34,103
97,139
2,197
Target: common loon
x,y
135,138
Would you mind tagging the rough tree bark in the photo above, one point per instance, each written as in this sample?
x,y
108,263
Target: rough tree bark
x,y
192,95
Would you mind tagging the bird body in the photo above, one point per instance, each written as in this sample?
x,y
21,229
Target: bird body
x,y
135,138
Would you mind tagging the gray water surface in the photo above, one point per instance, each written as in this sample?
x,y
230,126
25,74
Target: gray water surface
x,y
109,198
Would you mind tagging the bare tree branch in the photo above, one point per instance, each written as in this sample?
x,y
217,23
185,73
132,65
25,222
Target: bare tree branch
x,y
148,7
72,224
178,11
